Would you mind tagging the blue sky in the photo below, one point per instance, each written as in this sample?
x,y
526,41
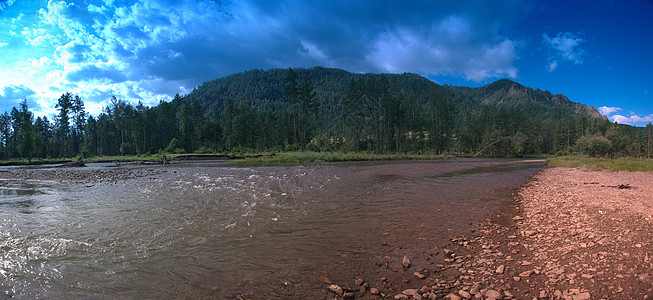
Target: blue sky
x,y
599,52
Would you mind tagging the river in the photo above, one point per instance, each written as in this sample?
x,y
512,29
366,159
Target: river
x,y
214,230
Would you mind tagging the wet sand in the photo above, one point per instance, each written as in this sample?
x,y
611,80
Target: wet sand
x,y
572,233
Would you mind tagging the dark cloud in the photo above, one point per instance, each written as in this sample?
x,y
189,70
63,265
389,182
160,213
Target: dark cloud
x,y
91,72
15,93
12,95
159,46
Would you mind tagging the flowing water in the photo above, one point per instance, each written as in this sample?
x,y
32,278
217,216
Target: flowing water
x,y
211,230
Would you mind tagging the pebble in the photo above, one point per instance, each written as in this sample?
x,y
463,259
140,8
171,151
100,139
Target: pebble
x,y
452,296
336,290
374,291
500,269
465,294
582,296
413,293
405,262
493,294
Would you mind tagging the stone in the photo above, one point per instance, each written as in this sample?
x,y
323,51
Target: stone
x,y
349,296
526,273
582,296
336,290
419,275
516,278
452,296
493,294
465,294
500,269
474,289
530,232
359,281
405,262
401,297
374,291
542,294
507,294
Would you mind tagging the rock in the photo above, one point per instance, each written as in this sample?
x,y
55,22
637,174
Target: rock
x,y
493,294
530,232
419,275
433,296
465,294
336,290
582,296
526,273
374,291
448,252
324,279
474,289
349,296
500,269
411,292
452,296
516,278
401,297
507,294
359,281
542,294
405,262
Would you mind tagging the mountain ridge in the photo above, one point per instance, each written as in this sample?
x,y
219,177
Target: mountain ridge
x,y
503,92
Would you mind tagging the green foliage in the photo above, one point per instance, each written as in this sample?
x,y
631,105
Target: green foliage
x,y
321,110
614,164
599,146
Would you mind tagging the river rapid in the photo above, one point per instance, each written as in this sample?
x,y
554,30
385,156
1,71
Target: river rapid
x,y
213,230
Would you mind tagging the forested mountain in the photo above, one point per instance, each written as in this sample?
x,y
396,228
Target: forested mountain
x,y
323,109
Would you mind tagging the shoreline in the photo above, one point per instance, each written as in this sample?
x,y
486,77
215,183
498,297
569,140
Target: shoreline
x,y
570,233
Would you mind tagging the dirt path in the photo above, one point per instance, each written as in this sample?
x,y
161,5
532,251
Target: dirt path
x,y
573,234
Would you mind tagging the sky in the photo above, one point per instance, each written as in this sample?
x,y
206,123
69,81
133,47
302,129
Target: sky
x,y
598,52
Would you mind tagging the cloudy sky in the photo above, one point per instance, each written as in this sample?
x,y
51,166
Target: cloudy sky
x,y
596,52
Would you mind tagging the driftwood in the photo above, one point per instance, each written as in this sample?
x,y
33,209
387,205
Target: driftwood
x,y
621,186
78,163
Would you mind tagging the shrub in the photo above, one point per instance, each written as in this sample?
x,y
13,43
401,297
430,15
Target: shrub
x,y
599,146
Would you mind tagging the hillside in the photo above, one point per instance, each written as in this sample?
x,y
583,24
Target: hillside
x,y
265,91
322,109
390,113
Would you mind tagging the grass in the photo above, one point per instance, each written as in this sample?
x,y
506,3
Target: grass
x,y
312,157
614,164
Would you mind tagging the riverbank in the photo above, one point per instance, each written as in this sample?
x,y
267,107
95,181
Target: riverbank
x,y
572,233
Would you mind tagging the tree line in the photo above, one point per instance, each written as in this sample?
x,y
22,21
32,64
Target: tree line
x,y
303,111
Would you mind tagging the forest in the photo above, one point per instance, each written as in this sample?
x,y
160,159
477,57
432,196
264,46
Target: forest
x,y
321,109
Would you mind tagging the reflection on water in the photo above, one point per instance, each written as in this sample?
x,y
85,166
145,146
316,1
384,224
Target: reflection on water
x,y
213,231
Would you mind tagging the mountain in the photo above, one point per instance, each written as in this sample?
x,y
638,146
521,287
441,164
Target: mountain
x,y
265,90
339,110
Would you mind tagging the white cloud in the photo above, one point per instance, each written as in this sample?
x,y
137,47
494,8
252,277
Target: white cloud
x,y
564,47
632,120
606,111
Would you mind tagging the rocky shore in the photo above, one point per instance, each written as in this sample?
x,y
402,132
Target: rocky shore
x,y
570,234
76,175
